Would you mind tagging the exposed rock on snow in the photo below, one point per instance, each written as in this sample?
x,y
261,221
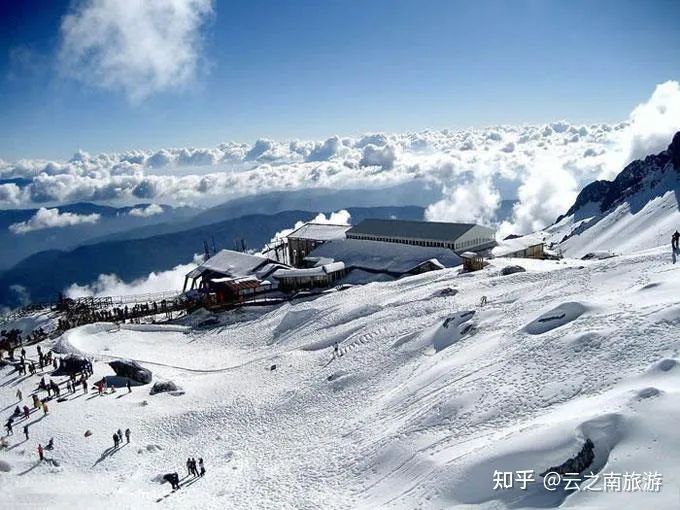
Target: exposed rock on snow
x,y
638,210
558,316
5,467
665,365
597,255
163,387
446,292
71,364
507,270
632,179
132,370
578,464
648,393
393,423
452,330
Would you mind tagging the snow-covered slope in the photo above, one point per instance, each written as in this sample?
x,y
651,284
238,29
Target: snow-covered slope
x,y
638,210
432,393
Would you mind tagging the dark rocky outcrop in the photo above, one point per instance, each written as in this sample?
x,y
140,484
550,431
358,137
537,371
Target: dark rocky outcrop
x,y
131,370
164,387
609,194
512,270
674,150
578,464
71,364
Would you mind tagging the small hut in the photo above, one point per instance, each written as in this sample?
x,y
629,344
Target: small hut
x,y
472,261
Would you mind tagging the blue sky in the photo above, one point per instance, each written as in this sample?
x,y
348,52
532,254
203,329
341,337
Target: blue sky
x,y
310,69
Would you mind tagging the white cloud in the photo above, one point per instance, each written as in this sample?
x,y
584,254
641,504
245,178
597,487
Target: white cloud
x,y
654,122
145,212
137,47
52,218
112,285
23,297
470,201
547,191
206,176
384,156
521,158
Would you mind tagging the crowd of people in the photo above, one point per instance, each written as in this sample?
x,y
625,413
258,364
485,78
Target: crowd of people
x,y
118,437
82,314
46,361
48,389
194,470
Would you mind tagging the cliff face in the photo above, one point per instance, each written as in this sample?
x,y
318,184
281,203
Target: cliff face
x,y
635,176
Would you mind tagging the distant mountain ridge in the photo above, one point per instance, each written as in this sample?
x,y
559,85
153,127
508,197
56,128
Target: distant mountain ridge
x,y
135,258
636,175
639,209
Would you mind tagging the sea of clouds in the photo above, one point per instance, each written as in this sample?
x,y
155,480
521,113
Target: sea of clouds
x,y
543,166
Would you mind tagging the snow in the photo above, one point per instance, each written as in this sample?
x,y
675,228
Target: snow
x,y
646,220
431,394
232,263
320,231
332,267
509,246
383,256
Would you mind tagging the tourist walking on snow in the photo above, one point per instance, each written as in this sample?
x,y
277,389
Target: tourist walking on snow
x,y
200,466
173,478
129,387
675,240
127,435
41,452
26,432
20,396
115,440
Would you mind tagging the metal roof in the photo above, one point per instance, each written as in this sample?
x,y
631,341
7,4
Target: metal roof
x,y
509,246
426,230
383,257
231,263
333,267
320,231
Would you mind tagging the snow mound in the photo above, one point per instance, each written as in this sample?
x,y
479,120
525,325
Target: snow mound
x,y
670,315
584,342
536,449
555,318
665,365
294,319
451,330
